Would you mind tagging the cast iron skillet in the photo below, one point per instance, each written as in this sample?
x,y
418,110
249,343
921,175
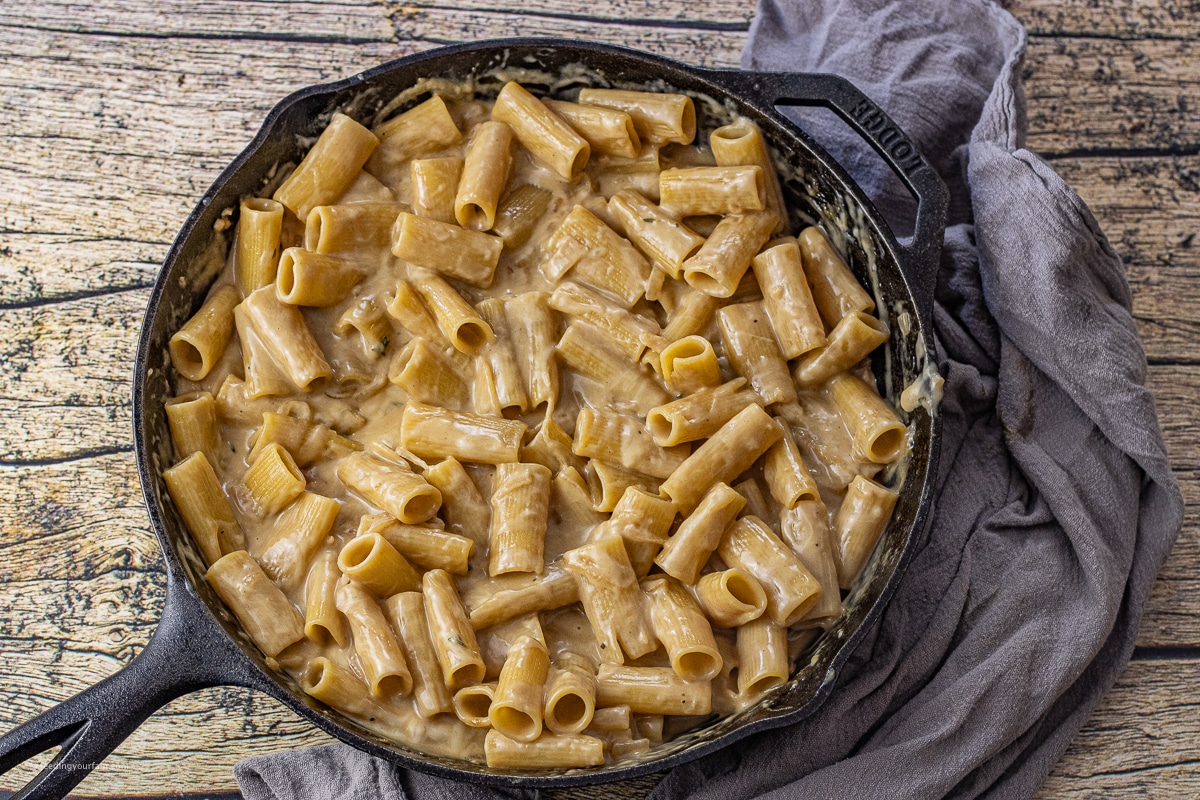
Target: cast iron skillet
x,y
198,642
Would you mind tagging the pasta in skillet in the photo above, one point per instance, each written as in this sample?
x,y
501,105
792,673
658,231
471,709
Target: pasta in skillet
x,y
523,431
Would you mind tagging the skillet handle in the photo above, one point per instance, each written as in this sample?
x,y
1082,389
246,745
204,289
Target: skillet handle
x,y
188,651
921,257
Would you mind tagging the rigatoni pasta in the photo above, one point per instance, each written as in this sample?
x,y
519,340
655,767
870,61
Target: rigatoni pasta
x,y
604,461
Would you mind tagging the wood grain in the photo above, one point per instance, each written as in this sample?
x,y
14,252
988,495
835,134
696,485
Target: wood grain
x,y
1101,95
1159,19
120,112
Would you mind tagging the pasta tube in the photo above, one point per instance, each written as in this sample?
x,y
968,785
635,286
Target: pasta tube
x,y
612,718
473,704
609,483
660,235
422,129
407,308
378,651
322,620
453,637
350,228
642,520
686,552
570,695
199,344
484,175
298,534
850,341
753,352
722,261
520,504
786,474
691,315
465,511
329,168
336,687
788,300
534,333
205,510
368,319
835,290
391,486
366,188
466,255
435,186
435,433
270,620
623,440
571,501
274,480
456,319
756,503
305,440
428,548
614,605
748,544
741,144
632,333
658,117
728,453
313,279
652,690
406,614
585,351
864,514
501,360
692,191
499,605
551,751
878,434
598,255
519,211
541,131
516,709
606,130
690,364
192,418
762,656
805,528
683,629
260,222
371,562
425,376
732,597
285,337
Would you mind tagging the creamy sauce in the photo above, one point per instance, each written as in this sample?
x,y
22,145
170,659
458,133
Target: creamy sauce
x,y
362,405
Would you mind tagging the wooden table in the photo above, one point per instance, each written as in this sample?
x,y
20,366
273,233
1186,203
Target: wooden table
x,y
119,113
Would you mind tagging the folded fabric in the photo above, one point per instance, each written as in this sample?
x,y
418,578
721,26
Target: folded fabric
x,y
1056,504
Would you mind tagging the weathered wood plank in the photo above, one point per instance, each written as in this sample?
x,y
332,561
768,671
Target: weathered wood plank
x,y
143,140
1170,619
1105,94
65,379
44,268
1140,742
348,21
1128,20
1149,208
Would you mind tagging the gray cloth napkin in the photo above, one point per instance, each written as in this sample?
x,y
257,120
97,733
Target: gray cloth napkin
x,y
1057,505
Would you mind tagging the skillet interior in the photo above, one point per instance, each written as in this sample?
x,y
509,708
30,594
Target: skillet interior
x,y
816,189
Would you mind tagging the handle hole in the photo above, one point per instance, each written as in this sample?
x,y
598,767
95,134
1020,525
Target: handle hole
x,y
891,197
26,762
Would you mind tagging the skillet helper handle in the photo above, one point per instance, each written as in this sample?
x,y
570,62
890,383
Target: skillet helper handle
x,y
921,257
184,654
